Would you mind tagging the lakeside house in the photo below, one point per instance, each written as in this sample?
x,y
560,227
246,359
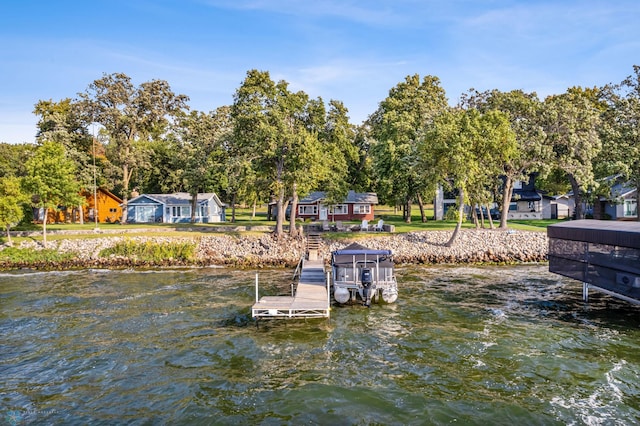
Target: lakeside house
x,y
109,209
356,206
175,208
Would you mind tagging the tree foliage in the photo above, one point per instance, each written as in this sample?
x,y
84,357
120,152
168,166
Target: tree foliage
x,y
51,179
130,116
620,132
524,111
11,199
571,124
395,128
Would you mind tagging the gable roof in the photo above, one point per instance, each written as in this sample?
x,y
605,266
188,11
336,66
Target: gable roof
x,y
178,198
352,198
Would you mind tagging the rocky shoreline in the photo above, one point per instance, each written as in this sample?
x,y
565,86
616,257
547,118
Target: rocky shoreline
x,y
246,251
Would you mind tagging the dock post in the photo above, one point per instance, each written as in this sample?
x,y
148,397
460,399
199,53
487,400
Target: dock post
x,y
257,288
585,292
328,291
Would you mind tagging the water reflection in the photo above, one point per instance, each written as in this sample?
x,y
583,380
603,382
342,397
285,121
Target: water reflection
x,y
468,344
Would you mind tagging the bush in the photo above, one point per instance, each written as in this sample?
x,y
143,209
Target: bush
x,y
452,214
17,255
152,252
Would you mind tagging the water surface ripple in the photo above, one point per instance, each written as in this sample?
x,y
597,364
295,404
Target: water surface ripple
x,y
472,345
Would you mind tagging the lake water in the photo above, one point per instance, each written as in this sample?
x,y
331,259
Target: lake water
x,y
466,345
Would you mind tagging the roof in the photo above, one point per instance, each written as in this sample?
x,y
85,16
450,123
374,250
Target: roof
x,y
178,198
352,198
614,233
524,195
357,252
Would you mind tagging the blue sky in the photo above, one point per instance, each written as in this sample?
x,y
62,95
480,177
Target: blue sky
x,y
352,51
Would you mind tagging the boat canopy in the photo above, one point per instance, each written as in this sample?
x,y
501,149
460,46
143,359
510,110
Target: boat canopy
x,y
357,252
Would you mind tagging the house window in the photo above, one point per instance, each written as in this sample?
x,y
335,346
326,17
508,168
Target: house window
x,y
203,211
307,210
181,211
517,184
362,208
339,209
630,208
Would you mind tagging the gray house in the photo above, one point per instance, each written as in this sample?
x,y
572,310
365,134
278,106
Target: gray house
x,y
174,208
620,204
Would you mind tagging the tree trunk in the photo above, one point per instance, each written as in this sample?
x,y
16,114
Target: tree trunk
x,y
460,215
253,212
233,208
280,213
81,214
9,243
423,216
293,230
489,217
507,193
577,196
125,192
407,210
44,227
194,206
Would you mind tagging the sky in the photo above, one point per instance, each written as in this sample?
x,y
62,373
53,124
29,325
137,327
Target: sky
x,y
353,51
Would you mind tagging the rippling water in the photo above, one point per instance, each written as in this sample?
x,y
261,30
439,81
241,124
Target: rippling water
x,y
471,345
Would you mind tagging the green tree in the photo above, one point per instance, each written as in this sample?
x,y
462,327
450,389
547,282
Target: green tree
x,y
271,128
395,128
201,151
63,122
11,200
524,111
620,131
131,117
51,179
13,157
571,124
465,149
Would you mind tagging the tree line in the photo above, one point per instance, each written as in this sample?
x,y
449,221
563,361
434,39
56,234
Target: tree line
x,y
275,144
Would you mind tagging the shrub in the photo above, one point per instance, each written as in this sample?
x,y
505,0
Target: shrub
x,y
152,252
17,255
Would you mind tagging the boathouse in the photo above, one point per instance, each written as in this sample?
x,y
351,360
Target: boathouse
x,y
604,255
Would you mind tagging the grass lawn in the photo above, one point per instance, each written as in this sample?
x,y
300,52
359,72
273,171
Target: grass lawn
x,y
244,218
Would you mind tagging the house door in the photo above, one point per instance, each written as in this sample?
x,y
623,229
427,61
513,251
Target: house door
x,y
324,213
554,211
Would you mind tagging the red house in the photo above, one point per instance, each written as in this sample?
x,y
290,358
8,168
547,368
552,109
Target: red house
x,y
357,206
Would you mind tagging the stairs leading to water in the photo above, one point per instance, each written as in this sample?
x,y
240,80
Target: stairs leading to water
x,y
313,245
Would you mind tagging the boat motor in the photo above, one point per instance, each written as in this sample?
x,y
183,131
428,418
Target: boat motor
x,y
367,280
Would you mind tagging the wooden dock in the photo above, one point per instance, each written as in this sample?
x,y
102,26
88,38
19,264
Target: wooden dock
x,y
311,298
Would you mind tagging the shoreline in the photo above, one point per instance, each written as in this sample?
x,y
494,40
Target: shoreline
x,y
473,246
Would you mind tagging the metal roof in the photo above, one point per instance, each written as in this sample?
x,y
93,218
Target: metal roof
x,y
610,232
352,197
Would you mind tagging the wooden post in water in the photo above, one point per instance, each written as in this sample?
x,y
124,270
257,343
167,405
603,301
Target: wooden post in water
x,y
256,287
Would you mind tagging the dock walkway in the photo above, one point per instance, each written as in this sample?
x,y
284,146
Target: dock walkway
x,y
311,299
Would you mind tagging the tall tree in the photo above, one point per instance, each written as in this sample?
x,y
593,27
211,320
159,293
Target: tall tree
x,y
271,126
465,149
395,127
130,115
63,122
525,116
202,140
51,179
11,200
571,123
620,131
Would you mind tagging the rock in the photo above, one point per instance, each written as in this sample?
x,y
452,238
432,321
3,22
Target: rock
x,y
424,247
